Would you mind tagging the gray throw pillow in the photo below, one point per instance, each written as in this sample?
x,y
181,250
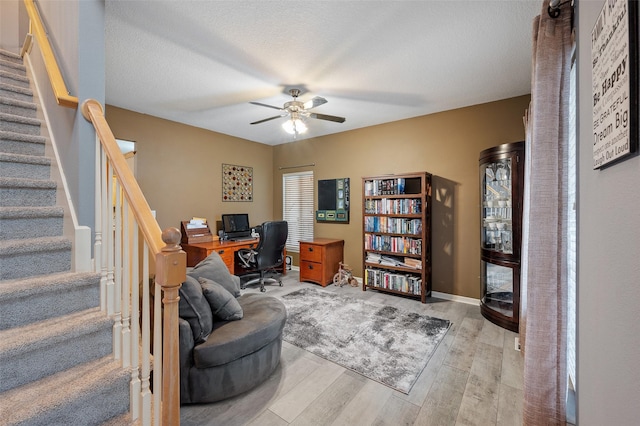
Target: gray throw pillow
x,y
194,308
213,268
223,305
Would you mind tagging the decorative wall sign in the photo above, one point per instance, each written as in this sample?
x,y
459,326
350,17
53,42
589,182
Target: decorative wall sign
x,y
614,78
333,200
237,183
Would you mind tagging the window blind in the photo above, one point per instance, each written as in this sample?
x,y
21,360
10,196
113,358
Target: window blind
x,y
297,207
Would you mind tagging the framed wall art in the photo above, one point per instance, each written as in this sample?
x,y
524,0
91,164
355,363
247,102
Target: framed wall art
x,y
237,183
614,78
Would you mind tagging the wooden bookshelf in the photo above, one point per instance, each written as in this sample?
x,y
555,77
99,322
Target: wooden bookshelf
x,y
396,225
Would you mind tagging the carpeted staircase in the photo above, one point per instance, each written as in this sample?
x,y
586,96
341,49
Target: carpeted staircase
x,y
56,366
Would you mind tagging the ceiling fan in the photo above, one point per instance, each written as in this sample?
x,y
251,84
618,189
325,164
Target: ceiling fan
x,y
296,110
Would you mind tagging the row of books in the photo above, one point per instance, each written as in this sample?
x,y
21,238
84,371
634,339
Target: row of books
x,y
411,284
393,186
392,225
406,262
393,244
393,206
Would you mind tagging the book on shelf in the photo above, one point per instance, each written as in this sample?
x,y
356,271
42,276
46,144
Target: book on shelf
x,y
373,257
393,281
389,261
413,263
395,186
393,206
392,225
406,262
400,245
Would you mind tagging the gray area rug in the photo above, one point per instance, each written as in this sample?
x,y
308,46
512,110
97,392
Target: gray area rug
x,y
383,343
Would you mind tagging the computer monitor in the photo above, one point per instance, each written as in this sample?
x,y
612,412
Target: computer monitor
x,y
236,225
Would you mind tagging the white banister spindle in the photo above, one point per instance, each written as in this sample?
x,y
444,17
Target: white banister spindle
x,y
126,296
108,235
97,248
117,267
157,353
145,391
135,321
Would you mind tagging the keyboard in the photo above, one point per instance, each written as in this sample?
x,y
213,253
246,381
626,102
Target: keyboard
x,y
242,238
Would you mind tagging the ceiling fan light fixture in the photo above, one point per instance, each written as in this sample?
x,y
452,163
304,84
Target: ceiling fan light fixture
x,y
298,112
294,126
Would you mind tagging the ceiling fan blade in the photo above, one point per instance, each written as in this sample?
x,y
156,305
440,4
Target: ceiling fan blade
x,y
327,117
265,105
316,101
268,119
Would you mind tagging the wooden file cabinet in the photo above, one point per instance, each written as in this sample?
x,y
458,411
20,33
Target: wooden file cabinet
x,y
319,260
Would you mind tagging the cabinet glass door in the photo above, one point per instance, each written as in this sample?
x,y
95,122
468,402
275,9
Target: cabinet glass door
x,y
498,285
497,229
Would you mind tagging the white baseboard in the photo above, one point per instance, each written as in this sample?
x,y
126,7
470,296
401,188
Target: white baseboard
x,y
445,296
80,236
82,261
456,298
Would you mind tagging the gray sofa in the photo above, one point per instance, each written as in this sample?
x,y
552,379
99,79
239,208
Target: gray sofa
x,y
229,343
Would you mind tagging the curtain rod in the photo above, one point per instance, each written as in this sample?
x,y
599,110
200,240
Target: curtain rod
x,y
554,7
295,167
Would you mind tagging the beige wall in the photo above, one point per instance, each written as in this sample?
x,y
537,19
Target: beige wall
x,y
447,145
608,269
179,168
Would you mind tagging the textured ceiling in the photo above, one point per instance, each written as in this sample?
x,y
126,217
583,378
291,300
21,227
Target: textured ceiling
x,y
202,62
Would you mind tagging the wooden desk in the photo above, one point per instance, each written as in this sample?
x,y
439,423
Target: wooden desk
x,y
227,251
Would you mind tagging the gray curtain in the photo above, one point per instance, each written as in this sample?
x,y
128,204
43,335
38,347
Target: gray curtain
x,y
543,317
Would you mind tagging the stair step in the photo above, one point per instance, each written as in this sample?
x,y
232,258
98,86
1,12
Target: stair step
x,y
34,256
14,79
18,107
24,166
47,347
35,299
12,66
16,92
11,57
18,143
56,363
19,124
89,394
15,192
30,222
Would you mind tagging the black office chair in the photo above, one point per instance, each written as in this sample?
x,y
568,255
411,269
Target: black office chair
x,y
267,255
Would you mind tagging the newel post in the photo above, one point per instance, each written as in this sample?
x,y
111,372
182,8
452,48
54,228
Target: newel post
x,y
171,267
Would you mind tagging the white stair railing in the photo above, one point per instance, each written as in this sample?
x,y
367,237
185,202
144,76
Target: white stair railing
x,y
122,259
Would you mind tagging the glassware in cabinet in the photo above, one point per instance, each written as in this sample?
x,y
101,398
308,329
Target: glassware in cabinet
x,y
501,190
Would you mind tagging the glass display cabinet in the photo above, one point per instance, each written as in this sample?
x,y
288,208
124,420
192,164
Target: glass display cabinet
x,y
501,190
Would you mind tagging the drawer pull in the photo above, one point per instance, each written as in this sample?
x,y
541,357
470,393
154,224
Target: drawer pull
x,y
220,251
310,266
310,248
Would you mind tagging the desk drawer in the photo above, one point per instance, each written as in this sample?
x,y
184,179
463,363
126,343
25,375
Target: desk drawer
x,y
310,271
310,252
227,256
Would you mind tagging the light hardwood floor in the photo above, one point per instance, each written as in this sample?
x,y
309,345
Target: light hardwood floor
x,y
473,378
